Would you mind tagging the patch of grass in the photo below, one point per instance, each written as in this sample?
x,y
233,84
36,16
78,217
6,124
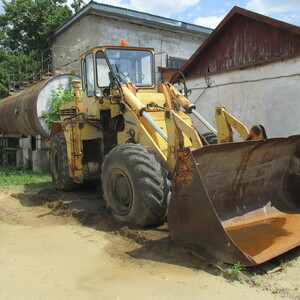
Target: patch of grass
x,y
237,268
12,176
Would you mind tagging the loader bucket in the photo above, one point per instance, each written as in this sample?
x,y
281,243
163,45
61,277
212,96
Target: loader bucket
x,y
238,202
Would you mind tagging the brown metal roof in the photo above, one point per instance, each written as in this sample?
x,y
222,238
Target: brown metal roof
x,y
244,38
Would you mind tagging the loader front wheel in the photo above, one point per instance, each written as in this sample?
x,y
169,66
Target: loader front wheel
x,y
135,185
59,164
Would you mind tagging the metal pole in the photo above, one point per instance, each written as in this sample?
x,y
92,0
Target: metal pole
x,y
205,123
158,129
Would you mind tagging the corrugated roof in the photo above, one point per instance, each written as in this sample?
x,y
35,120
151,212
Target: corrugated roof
x,y
244,38
134,17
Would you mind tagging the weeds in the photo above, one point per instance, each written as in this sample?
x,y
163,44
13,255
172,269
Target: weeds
x,y
58,96
237,268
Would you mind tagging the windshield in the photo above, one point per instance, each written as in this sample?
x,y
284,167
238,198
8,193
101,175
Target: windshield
x,y
132,65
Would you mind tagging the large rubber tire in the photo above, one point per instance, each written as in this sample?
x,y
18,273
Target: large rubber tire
x,y
211,138
135,185
59,164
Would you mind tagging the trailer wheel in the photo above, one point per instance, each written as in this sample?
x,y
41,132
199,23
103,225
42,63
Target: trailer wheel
x,y
135,185
59,164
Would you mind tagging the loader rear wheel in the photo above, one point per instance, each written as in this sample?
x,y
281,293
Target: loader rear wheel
x,y
135,185
59,164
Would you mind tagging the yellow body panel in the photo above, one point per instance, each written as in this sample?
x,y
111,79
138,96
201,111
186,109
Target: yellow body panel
x,y
74,150
135,129
225,122
75,133
152,98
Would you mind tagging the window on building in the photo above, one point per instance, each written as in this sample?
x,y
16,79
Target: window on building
x,y
174,62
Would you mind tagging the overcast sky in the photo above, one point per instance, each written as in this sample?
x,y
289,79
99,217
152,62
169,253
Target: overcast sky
x,y
209,13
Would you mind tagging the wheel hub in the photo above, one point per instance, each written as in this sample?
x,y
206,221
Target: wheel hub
x,y
121,191
57,165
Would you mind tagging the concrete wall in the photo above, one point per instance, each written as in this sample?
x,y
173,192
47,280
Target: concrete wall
x,y
67,47
267,94
92,31
25,152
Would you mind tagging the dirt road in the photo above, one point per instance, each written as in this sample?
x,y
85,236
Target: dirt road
x,y
65,246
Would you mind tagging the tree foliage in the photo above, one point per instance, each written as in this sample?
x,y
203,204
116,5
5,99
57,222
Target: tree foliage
x,y
16,67
77,4
26,26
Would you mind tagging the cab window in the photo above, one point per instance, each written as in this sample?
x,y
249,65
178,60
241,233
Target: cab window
x,y
132,65
83,74
102,70
89,68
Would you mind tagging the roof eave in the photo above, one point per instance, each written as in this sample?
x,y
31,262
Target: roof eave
x,y
135,17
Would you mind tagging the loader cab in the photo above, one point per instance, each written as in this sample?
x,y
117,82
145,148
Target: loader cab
x,y
102,65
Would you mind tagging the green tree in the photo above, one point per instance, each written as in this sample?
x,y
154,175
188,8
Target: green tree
x,y
77,5
17,68
4,65
26,26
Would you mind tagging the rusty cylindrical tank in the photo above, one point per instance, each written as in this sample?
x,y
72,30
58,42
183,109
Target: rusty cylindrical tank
x,y
22,113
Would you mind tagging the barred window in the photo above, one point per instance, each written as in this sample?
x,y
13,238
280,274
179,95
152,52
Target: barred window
x,y
176,62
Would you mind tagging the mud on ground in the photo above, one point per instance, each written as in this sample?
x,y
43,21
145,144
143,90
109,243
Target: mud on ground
x,y
65,245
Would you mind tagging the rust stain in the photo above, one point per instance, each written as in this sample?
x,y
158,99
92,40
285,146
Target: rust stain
x,y
264,233
272,236
185,168
245,159
18,114
257,132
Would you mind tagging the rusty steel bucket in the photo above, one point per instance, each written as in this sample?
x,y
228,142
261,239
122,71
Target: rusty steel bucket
x,y
238,202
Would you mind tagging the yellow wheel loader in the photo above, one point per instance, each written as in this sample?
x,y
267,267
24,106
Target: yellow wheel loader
x,y
236,201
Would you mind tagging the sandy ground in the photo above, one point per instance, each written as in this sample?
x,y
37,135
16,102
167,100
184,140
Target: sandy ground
x,y
57,245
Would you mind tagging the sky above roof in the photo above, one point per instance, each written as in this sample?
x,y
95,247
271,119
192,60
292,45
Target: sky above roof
x,y
209,13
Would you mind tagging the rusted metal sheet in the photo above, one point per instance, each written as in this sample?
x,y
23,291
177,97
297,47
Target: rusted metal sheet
x,y
22,113
238,202
17,112
167,73
243,39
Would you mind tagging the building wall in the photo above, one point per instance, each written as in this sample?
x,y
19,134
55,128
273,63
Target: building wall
x,y
266,94
67,47
91,31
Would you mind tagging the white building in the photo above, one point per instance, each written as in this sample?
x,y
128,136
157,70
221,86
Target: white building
x,y
100,24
